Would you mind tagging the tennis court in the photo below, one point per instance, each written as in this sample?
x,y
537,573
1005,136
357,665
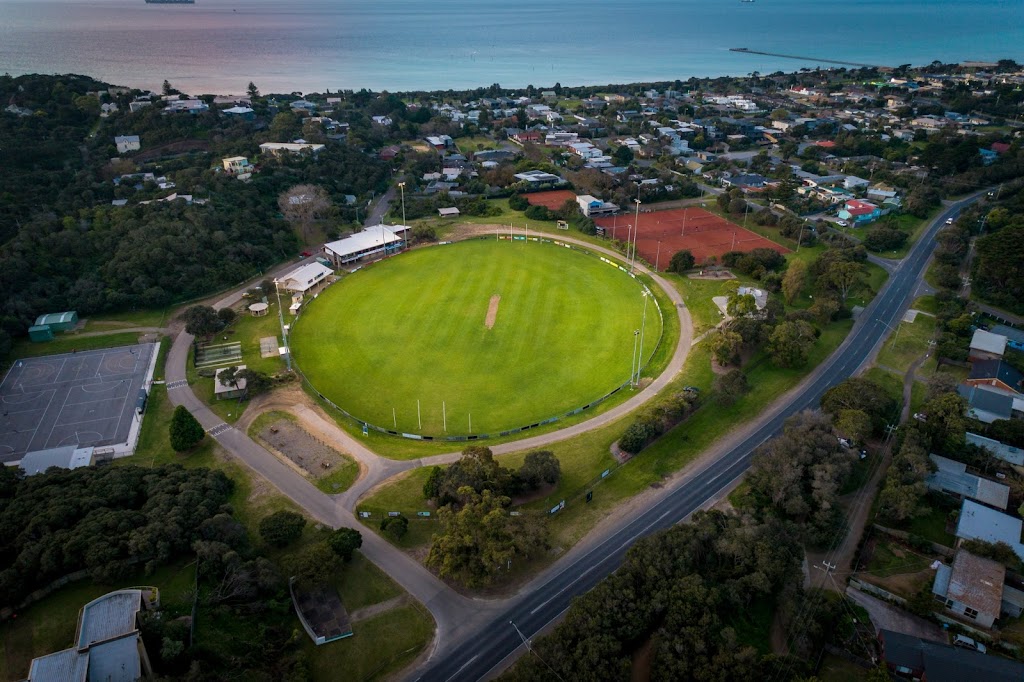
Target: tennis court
x,y
85,399
705,234
553,200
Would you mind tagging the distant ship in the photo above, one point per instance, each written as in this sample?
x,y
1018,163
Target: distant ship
x,y
170,2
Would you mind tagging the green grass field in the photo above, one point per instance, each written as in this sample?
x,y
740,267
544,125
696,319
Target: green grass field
x,y
414,328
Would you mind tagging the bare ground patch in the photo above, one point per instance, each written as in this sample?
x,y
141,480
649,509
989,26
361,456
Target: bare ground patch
x,y
492,311
311,455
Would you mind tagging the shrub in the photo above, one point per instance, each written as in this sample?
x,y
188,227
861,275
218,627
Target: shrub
x,y
185,430
638,435
281,528
394,527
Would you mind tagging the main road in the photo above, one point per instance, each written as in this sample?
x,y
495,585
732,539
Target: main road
x,y
494,645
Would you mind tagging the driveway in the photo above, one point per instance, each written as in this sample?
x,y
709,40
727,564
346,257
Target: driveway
x,y
885,616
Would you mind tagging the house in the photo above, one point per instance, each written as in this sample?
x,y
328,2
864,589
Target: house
x,y
921,659
972,588
281,148
64,457
389,152
853,183
440,142
985,404
127,143
301,105
988,157
746,181
1000,147
860,211
537,176
526,136
139,105
997,374
108,643
1014,337
108,108
378,240
236,165
986,346
559,138
234,389
190,106
978,522
1002,451
243,113
309,278
593,207
951,477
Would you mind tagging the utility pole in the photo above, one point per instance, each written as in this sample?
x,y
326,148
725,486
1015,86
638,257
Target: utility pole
x,y
636,230
632,364
401,186
284,332
643,328
657,257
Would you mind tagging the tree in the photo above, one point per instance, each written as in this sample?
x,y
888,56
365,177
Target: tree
x,y
637,435
345,541
779,115
229,376
864,395
726,346
741,305
255,382
478,470
167,89
481,538
303,205
794,281
394,527
540,467
253,91
681,262
790,342
282,528
730,387
185,430
432,486
201,320
842,276
855,425
623,155
315,563
226,316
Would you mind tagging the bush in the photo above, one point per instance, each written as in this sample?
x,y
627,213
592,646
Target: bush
x,y
282,528
681,261
394,527
226,315
518,202
539,213
540,467
345,541
637,436
883,238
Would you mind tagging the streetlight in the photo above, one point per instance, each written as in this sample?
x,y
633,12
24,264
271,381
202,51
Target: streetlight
x,y
280,318
636,229
657,257
401,186
643,328
632,364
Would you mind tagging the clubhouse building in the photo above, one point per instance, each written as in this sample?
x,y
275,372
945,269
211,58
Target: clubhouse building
x,y
370,244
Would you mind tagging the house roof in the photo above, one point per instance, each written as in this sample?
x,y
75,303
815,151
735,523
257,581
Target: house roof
x,y
997,369
111,615
1010,333
977,582
240,383
951,476
978,522
945,663
65,666
988,342
370,238
65,457
305,277
1002,451
239,110
986,404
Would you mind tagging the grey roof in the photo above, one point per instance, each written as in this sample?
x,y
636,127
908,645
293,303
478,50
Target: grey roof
x,y
997,369
56,318
111,615
116,660
952,477
978,522
944,663
1015,335
986,404
988,342
62,666
1002,451
65,457
941,585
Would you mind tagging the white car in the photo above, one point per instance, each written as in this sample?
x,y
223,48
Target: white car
x,y
968,643
949,221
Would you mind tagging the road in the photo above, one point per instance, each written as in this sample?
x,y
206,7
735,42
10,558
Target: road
x,y
379,209
498,643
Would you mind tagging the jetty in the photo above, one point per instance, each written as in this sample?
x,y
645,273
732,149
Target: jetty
x,y
803,59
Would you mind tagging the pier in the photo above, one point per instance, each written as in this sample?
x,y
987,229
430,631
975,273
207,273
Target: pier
x,y
804,59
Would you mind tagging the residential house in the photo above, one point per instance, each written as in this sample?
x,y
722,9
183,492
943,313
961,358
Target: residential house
x,y
921,659
108,643
986,346
281,148
988,157
853,183
127,143
558,138
236,165
860,212
108,108
1007,453
997,374
1014,337
243,113
537,176
593,207
760,296
746,181
189,106
978,522
382,120
389,152
440,142
973,588
986,404
302,105
526,136
139,105
951,477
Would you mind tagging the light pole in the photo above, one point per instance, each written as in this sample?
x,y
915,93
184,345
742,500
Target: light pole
x,y
632,364
401,186
284,334
657,257
643,328
636,230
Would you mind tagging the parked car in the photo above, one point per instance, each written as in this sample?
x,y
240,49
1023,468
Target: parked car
x,y
863,454
845,442
920,416
969,643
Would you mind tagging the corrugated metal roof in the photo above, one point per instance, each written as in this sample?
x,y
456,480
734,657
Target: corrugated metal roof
x,y
977,582
111,615
979,522
1002,451
952,477
988,342
62,666
370,238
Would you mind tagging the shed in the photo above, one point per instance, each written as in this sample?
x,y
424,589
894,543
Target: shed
x,y
58,322
40,332
222,392
987,346
63,457
448,212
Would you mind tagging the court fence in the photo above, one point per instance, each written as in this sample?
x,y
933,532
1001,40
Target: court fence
x,y
367,426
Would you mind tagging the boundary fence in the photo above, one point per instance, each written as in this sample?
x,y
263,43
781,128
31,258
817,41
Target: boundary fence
x,y
508,432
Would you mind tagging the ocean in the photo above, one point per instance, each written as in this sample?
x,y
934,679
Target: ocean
x,y
218,46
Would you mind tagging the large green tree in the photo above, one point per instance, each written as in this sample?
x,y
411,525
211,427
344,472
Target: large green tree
x,y
185,430
790,343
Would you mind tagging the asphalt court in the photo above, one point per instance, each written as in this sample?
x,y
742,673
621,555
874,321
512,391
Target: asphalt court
x,y
85,399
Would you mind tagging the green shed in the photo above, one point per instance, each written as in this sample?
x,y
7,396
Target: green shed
x,y
58,322
40,332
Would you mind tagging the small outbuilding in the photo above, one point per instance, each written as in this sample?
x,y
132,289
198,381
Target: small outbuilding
x,y
58,322
452,212
236,390
258,309
40,333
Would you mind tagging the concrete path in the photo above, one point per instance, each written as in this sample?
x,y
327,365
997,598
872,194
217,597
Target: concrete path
x,y
888,617
120,330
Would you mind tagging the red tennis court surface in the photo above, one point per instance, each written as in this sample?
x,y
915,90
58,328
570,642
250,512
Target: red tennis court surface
x,y
552,200
703,233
